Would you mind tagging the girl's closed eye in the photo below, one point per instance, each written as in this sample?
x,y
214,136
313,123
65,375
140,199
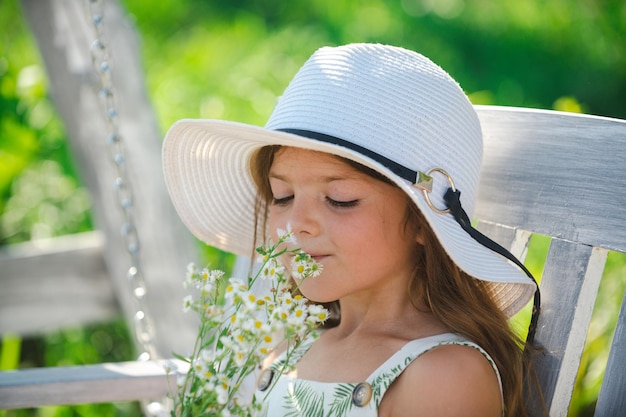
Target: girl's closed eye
x,y
282,200
342,204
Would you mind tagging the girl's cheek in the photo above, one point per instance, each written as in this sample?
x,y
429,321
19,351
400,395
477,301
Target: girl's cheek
x,y
275,222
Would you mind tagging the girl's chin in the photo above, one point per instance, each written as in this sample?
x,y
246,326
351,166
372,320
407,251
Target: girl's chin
x,y
314,293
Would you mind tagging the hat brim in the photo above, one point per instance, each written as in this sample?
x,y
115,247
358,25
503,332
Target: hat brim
x,y
206,168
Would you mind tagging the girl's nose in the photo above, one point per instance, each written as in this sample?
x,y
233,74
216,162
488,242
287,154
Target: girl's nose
x,y
304,217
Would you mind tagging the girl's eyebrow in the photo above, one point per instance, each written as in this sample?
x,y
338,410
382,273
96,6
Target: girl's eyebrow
x,y
324,179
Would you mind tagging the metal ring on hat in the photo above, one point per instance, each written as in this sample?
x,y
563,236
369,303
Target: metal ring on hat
x,y
427,197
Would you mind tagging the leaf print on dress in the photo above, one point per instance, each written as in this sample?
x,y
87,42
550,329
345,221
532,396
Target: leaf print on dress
x,y
384,380
342,400
302,400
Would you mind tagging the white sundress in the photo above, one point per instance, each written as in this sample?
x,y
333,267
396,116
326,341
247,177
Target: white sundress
x,y
293,397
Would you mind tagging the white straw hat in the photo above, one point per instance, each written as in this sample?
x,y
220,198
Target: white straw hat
x,y
385,107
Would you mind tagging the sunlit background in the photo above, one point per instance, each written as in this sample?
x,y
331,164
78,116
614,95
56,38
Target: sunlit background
x,y
230,59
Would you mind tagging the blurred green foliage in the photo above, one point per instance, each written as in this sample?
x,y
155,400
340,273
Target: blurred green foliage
x,y
230,59
239,55
39,192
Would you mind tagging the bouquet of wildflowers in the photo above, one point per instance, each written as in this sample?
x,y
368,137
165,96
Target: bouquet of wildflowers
x,y
239,329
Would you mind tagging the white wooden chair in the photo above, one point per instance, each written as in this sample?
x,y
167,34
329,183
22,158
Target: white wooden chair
x,y
551,173
560,175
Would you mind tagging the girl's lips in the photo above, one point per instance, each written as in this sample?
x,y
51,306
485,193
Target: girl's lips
x,y
316,256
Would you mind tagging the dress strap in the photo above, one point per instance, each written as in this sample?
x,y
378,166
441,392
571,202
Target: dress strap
x,y
382,378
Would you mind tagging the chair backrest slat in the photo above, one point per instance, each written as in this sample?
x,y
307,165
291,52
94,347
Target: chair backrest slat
x,y
569,288
612,399
556,174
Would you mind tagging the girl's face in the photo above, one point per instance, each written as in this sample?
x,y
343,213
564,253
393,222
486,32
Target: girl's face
x,y
350,223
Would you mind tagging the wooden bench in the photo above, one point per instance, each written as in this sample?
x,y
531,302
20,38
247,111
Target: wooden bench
x,y
555,174
560,175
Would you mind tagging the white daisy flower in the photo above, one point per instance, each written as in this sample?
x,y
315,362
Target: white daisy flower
x,y
187,303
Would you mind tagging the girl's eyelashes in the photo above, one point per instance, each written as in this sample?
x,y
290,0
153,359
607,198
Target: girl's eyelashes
x,y
282,201
342,204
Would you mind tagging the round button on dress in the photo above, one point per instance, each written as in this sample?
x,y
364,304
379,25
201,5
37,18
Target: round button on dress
x,y
265,379
362,394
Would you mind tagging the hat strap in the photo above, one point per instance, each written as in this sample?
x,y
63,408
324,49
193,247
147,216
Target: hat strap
x,y
453,200
398,169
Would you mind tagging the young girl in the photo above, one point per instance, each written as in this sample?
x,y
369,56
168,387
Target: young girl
x,y
365,158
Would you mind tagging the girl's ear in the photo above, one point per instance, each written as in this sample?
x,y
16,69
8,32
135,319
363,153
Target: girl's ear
x,y
419,237
419,232
415,223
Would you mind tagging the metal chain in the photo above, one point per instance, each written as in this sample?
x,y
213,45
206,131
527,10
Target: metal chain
x,y
142,326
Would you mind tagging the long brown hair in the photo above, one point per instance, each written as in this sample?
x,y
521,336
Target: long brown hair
x,y
460,302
